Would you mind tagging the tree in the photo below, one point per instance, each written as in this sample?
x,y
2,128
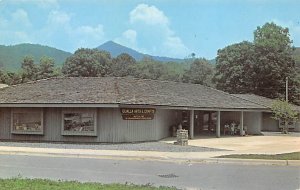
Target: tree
x,y
104,63
260,67
14,78
46,68
234,68
29,69
88,63
294,88
283,111
122,65
3,77
174,71
148,68
273,61
200,72
57,71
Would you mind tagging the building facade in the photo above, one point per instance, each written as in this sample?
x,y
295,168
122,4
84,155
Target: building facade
x,y
112,109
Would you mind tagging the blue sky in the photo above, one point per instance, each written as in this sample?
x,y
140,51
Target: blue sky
x,y
174,28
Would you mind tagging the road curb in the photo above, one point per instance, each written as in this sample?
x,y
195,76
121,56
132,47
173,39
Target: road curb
x,y
157,158
257,162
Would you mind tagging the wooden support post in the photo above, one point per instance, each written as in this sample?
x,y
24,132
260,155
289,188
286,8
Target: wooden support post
x,y
242,123
192,116
209,121
218,134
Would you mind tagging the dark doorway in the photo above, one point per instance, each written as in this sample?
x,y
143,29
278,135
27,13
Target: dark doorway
x,y
205,122
185,121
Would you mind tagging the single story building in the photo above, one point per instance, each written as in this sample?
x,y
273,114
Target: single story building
x,y
120,109
269,124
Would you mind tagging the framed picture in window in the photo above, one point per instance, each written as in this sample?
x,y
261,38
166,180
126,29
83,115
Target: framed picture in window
x,y
81,122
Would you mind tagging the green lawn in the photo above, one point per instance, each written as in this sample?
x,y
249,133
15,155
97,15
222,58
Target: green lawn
x,y
286,156
41,184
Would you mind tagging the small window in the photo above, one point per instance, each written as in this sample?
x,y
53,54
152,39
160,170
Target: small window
x,y
291,124
27,121
79,122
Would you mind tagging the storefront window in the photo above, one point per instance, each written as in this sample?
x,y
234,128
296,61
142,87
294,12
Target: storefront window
x,y
79,123
27,121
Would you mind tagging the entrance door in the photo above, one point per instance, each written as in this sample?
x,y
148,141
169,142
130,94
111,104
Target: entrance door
x,y
198,122
205,122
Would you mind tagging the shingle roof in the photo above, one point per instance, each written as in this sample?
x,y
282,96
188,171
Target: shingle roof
x,y
121,90
267,102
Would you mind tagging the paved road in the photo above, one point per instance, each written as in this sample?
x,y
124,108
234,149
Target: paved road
x,y
182,175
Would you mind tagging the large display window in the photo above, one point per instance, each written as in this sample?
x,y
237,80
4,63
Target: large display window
x,y
79,122
27,121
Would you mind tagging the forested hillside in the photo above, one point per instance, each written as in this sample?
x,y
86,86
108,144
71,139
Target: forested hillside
x,y
12,56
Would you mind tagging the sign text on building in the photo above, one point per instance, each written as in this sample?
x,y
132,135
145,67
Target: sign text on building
x,y
137,113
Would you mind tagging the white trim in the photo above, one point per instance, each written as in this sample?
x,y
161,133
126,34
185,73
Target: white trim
x,y
197,109
218,127
242,123
192,117
91,105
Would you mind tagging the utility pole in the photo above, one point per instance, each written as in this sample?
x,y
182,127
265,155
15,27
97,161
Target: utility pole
x,y
286,89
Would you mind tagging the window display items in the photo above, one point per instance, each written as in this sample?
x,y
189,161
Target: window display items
x,y
81,122
27,122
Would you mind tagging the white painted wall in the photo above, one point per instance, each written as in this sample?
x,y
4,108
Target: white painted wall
x,y
270,124
297,127
110,127
253,121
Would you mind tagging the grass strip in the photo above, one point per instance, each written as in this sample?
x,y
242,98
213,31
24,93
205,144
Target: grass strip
x,y
44,184
285,156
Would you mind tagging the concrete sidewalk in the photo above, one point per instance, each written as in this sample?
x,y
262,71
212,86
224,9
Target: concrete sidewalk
x,y
277,144
237,145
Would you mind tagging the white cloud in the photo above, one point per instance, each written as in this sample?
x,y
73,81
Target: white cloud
x,y
93,32
152,33
59,28
15,20
14,28
20,17
148,14
88,36
128,38
58,18
56,26
175,44
3,22
130,35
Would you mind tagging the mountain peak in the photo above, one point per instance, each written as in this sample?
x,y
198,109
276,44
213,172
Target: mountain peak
x,y
110,42
116,49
